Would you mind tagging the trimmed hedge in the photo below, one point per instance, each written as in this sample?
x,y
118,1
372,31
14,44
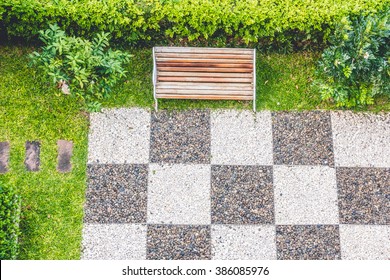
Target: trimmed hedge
x,y
9,223
220,22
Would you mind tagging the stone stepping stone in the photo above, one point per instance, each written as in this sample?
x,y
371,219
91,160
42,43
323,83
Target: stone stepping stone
x,y
65,151
32,160
4,157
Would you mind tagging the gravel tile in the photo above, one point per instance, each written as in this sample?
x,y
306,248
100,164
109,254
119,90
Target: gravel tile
x,y
179,194
361,139
180,137
303,138
4,157
364,195
308,242
242,195
243,242
65,150
362,242
114,242
116,194
241,138
119,136
178,242
32,160
305,195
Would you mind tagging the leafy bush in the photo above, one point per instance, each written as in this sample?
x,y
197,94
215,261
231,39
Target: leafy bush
x,y
78,66
9,223
356,67
220,22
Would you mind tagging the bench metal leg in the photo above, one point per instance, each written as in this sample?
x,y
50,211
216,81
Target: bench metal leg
x,y
155,105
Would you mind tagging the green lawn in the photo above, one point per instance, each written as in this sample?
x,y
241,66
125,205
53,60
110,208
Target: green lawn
x,y
32,110
51,202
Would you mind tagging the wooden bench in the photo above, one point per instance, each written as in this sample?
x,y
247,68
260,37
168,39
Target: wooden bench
x,y
204,73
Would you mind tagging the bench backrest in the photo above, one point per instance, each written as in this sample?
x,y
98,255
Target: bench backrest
x,y
204,73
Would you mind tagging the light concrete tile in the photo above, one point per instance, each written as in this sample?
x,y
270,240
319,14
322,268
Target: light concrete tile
x,y
365,242
305,195
179,194
241,137
114,242
119,136
361,139
243,242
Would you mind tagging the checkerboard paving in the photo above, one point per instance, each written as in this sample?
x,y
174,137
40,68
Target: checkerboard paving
x,y
227,184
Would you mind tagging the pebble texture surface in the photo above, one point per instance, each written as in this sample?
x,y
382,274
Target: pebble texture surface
x,y
308,242
180,137
241,195
236,185
364,195
303,138
116,194
178,242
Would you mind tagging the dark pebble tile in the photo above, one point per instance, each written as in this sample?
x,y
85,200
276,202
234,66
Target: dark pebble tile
x,y
364,195
65,150
308,242
116,193
302,138
4,156
32,160
178,242
180,137
242,195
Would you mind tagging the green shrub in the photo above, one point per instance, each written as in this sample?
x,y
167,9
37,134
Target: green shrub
x,y
356,67
77,66
220,22
9,223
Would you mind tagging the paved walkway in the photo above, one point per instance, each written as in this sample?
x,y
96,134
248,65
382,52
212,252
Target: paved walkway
x,y
237,185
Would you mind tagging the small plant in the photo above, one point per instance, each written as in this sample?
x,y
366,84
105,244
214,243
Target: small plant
x,y
9,223
77,66
356,67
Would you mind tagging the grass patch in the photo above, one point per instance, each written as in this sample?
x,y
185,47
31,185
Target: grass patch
x,y
51,218
52,203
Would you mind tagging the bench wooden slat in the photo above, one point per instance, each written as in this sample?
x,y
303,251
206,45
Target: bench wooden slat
x,y
205,69
204,55
203,64
205,79
202,50
209,86
204,74
206,97
203,60
204,92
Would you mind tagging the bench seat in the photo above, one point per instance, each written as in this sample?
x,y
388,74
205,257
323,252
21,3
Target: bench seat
x,y
204,73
